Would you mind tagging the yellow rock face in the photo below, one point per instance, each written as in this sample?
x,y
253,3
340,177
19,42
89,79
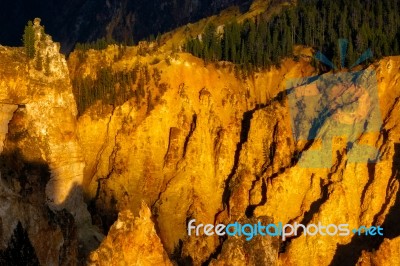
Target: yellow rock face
x,y
131,241
212,144
218,149
178,157
387,254
38,140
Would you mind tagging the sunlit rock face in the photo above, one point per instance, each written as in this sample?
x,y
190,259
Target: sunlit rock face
x,y
387,254
212,144
182,156
47,109
131,241
43,163
220,149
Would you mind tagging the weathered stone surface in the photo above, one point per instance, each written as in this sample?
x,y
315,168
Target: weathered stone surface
x,y
178,157
131,241
261,250
214,147
387,254
212,153
42,160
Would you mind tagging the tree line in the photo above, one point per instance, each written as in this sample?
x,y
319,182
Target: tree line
x,y
42,61
110,87
99,44
28,39
319,24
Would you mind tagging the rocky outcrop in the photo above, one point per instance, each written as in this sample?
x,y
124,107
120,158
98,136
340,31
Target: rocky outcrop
x,y
218,146
43,170
220,149
180,156
261,250
387,254
131,241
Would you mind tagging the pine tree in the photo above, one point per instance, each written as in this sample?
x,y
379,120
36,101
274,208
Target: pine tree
x,y
314,23
29,40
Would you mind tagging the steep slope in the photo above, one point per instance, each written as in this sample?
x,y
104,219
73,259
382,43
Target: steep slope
x,y
177,156
131,241
218,147
194,141
42,168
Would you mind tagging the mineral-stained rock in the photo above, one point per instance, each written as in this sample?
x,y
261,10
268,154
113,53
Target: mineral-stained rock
x,y
387,254
210,145
131,241
218,150
260,250
181,157
42,164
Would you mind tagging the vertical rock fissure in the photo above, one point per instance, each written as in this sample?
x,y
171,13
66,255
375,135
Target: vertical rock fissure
x,y
9,111
244,134
103,147
348,254
250,209
193,125
111,167
271,157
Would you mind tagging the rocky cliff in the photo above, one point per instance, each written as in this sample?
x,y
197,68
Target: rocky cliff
x,y
42,162
219,148
204,142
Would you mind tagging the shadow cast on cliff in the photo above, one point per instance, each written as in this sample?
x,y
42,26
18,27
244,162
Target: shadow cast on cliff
x,y
103,217
23,186
350,253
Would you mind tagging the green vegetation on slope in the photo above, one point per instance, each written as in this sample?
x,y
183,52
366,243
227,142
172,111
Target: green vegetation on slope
x,y
99,44
116,87
28,40
110,87
314,23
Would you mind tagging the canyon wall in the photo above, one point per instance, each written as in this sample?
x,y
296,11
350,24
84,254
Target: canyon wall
x,y
42,162
212,144
219,148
